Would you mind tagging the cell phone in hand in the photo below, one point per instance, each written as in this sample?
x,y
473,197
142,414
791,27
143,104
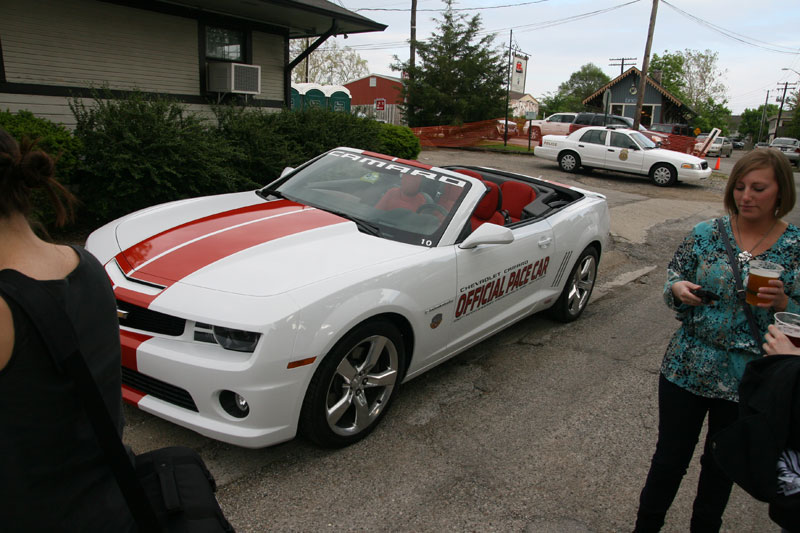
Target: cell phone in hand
x,y
706,296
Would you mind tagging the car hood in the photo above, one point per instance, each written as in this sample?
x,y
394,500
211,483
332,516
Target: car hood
x,y
260,250
672,155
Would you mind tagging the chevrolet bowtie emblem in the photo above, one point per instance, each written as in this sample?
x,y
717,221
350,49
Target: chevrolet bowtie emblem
x,y
122,314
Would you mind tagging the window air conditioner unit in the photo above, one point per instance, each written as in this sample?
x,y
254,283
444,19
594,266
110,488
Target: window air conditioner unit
x,y
234,78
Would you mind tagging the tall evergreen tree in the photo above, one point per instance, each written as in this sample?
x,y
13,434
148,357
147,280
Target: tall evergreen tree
x,y
458,76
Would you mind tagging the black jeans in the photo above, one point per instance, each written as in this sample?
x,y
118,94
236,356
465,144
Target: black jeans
x,y
680,420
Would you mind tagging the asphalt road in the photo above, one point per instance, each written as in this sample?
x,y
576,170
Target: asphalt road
x,y
545,427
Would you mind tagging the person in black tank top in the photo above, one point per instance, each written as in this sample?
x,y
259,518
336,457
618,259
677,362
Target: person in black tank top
x,y
53,476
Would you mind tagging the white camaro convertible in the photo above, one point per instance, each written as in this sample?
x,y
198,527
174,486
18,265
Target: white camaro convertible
x,y
621,150
303,306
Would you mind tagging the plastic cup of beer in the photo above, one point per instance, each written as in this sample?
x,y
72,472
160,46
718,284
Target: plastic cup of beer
x,y
789,324
761,272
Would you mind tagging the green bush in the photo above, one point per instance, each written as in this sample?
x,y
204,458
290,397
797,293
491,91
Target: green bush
x,y
272,140
141,151
55,140
398,141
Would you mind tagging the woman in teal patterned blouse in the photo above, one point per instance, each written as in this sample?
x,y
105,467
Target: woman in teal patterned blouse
x,y
706,357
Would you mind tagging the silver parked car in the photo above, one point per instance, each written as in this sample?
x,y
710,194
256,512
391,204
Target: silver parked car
x,y
790,148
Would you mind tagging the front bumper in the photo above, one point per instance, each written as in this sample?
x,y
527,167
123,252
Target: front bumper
x,y
184,383
685,174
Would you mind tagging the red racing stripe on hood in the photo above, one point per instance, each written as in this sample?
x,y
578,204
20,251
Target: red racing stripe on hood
x,y
176,253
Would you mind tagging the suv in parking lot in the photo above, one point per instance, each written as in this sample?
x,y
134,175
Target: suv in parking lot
x,y
672,129
555,124
601,119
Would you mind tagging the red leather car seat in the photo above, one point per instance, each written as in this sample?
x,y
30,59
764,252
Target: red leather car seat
x,y
406,196
516,196
488,209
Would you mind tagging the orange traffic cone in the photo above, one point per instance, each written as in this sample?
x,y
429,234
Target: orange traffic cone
x,y
716,167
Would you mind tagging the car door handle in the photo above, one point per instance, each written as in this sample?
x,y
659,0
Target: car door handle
x,y
545,242
610,149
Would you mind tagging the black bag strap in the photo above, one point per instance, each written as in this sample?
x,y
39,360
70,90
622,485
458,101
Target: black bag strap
x,y
56,330
740,291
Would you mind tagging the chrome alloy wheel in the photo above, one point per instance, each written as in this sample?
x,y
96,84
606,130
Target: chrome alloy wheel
x,y
361,386
581,285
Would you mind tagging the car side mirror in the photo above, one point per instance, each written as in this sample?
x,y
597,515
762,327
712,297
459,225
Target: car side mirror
x,y
487,233
286,171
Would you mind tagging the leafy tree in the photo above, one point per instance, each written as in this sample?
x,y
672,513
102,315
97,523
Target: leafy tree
x,y
793,128
694,77
581,84
751,122
458,76
711,114
329,64
671,67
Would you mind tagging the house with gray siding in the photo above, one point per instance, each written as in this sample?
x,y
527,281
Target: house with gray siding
x,y
196,51
659,104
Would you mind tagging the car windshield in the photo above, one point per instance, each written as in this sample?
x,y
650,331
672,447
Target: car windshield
x,y
785,140
662,128
642,140
391,199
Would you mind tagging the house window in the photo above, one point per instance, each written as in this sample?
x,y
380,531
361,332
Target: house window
x,y
373,82
225,44
617,109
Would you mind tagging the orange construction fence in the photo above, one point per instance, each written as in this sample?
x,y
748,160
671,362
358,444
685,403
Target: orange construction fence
x,y
486,131
470,134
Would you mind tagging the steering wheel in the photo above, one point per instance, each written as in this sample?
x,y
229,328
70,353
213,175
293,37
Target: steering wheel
x,y
435,207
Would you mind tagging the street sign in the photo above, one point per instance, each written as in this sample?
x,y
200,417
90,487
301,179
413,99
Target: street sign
x,y
606,100
380,104
530,115
697,131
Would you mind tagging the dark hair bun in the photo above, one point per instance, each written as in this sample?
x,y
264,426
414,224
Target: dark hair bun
x,y
36,169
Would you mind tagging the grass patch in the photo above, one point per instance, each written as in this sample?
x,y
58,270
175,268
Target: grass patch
x,y
498,146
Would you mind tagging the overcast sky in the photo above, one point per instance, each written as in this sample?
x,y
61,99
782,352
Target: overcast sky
x,y
755,39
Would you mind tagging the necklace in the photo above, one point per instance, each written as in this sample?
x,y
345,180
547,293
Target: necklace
x,y
745,255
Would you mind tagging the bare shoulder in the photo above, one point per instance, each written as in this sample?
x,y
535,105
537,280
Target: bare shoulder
x,y
6,333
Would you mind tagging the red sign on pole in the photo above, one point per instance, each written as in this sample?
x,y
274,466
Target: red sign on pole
x,y
380,104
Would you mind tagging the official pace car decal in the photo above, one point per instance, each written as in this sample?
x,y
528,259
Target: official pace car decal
x,y
484,292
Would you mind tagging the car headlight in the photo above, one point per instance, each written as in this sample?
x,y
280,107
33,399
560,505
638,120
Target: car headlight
x,y
231,339
692,166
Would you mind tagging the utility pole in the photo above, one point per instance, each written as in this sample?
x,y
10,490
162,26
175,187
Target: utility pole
x,y
637,117
780,109
622,60
306,60
413,40
763,116
508,86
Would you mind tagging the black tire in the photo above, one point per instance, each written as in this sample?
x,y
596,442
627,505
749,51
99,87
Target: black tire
x,y
569,161
362,387
663,175
578,288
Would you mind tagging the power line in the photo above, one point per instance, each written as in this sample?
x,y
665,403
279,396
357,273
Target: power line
x,y
453,9
735,36
519,29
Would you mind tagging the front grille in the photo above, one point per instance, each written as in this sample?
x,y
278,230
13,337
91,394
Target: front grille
x,y
704,165
151,321
159,389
